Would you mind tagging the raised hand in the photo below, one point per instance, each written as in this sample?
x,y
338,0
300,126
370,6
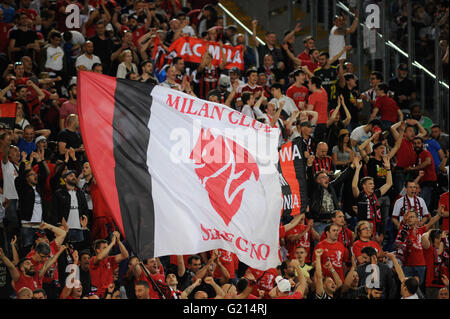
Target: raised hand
x,y
319,252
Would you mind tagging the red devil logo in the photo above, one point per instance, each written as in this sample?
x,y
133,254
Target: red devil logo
x,y
223,167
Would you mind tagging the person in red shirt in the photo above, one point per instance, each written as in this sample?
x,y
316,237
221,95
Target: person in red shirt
x,y
25,274
414,264
333,251
229,260
309,44
265,280
364,235
406,156
424,163
385,107
326,286
151,264
301,235
432,244
283,288
101,266
318,101
443,207
346,236
297,91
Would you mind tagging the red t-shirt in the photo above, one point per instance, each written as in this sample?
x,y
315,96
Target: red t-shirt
x,y
336,253
102,274
139,32
295,295
430,172
415,251
443,200
433,274
26,281
52,274
229,260
359,245
265,279
345,237
304,57
406,156
387,108
156,277
320,102
304,241
298,94
248,88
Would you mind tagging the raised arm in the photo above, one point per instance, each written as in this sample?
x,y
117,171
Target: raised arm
x,y
355,180
123,250
388,184
13,271
398,143
51,261
334,273
277,115
397,267
60,234
348,116
318,278
301,278
394,129
105,252
219,292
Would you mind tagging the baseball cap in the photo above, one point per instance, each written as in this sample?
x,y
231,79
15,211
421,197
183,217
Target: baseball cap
x,y
306,123
283,284
68,173
235,69
224,81
39,138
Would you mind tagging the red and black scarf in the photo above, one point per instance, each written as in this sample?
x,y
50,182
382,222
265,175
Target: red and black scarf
x,y
373,211
408,207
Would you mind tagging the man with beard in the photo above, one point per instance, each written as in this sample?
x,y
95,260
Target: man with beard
x,y
69,138
376,275
151,264
25,275
424,162
69,203
85,61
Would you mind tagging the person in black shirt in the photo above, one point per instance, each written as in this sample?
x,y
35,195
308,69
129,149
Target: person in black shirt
x,y
367,199
23,41
349,93
102,46
403,88
70,138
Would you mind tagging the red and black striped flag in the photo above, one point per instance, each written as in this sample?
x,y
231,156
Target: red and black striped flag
x,y
293,179
8,115
181,175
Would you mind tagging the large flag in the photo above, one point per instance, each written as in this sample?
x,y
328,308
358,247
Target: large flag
x,y
192,50
8,114
293,179
182,175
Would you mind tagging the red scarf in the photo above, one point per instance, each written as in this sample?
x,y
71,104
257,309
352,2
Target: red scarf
x,y
373,211
407,207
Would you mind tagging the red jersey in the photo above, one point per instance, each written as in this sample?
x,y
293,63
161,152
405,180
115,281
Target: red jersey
x,y
102,273
336,253
430,171
387,108
304,241
265,279
298,94
304,57
156,277
249,88
443,200
229,260
52,274
26,281
359,245
345,237
414,250
319,100
295,295
406,156
137,33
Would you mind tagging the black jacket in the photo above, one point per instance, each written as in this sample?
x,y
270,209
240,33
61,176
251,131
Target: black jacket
x,y
316,194
61,203
386,280
26,192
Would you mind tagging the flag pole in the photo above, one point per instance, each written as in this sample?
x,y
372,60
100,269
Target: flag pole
x,y
147,274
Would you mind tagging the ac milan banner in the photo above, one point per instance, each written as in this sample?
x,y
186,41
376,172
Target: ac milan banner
x,y
182,175
192,50
8,114
292,179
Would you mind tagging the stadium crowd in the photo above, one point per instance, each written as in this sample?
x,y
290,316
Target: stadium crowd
x,y
376,223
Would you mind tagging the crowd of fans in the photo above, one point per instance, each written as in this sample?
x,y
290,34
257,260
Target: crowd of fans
x,y
376,222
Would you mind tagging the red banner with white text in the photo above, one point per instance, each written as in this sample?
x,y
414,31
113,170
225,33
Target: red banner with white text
x,y
192,50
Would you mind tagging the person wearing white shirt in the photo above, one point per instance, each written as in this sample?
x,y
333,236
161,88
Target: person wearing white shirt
x,y
289,104
338,32
85,61
410,202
